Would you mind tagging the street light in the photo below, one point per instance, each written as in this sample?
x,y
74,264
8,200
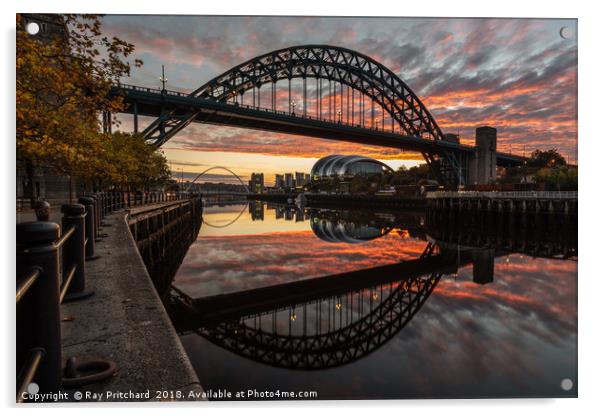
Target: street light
x,y
162,77
339,113
293,105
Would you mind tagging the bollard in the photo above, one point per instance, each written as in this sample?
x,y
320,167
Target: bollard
x,y
74,251
105,205
88,203
96,199
38,312
42,210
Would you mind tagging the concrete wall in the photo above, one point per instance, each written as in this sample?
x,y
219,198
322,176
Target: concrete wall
x,y
482,167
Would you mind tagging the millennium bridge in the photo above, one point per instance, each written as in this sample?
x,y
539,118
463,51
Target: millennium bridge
x,y
320,91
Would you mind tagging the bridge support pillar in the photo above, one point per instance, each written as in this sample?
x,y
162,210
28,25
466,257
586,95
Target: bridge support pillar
x,y
482,166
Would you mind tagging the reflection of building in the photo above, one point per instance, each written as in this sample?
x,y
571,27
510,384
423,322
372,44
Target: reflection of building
x,y
299,215
483,265
336,231
279,212
256,210
256,183
347,166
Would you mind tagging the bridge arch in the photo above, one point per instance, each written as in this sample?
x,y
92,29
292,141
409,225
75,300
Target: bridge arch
x,y
221,168
332,63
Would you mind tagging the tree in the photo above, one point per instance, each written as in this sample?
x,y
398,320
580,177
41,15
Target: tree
x,y
546,159
560,178
63,82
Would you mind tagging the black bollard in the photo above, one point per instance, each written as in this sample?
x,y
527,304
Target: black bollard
x,y
38,311
42,210
74,251
96,199
88,203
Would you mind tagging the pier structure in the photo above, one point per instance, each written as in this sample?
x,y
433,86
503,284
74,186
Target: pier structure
x,y
511,202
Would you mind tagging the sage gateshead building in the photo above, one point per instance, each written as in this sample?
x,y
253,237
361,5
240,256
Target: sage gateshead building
x,y
347,166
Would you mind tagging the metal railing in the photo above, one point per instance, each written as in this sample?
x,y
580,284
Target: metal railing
x,y
51,270
332,120
504,195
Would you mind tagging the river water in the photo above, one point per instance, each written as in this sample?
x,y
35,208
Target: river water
x,y
291,312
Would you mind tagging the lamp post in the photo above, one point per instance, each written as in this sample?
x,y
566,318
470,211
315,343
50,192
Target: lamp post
x,y
339,114
162,77
293,105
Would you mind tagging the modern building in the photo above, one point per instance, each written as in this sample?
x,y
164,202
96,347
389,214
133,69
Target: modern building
x,y
256,183
300,179
289,180
279,181
347,166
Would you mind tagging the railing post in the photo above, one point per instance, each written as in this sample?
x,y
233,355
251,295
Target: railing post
x,y
38,313
105,201
88,203
74,250
96,215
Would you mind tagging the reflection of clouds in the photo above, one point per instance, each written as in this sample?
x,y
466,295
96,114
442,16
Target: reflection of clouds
x,y
220,264
515,336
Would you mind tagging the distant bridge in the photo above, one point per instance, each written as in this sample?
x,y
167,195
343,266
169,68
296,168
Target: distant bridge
x,y
230,171
353,98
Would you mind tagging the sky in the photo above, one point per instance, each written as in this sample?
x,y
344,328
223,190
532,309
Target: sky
x,y
517,75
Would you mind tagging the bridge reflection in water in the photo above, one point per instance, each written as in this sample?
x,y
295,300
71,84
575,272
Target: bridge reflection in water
x,y
333,320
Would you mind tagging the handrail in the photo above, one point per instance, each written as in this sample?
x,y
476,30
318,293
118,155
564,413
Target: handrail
x,y
67,282
40,275
28,371
64,237
25,282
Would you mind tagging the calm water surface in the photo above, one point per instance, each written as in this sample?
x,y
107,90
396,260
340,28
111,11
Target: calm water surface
x,y
489,324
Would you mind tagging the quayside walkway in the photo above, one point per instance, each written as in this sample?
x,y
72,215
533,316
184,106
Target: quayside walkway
x,y
123,322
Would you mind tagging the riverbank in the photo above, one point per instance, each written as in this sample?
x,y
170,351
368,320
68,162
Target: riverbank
x,y
126,322
346,200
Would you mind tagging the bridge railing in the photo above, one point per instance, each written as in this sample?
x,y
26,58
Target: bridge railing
x,y
341,121
504,195
51,269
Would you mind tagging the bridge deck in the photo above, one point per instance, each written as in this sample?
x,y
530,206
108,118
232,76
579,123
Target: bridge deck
x,y
151,102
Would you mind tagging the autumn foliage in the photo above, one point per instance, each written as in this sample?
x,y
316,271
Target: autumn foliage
x,y
63,84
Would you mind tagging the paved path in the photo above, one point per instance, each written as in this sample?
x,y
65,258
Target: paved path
x,y
126,322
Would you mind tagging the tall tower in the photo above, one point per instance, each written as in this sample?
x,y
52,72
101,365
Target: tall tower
x,y
483,164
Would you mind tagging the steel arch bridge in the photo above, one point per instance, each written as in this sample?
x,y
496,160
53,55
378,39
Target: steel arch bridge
x,y
345,95
220,168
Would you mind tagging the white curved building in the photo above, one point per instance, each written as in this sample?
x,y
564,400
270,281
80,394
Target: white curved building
x,y
347,165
